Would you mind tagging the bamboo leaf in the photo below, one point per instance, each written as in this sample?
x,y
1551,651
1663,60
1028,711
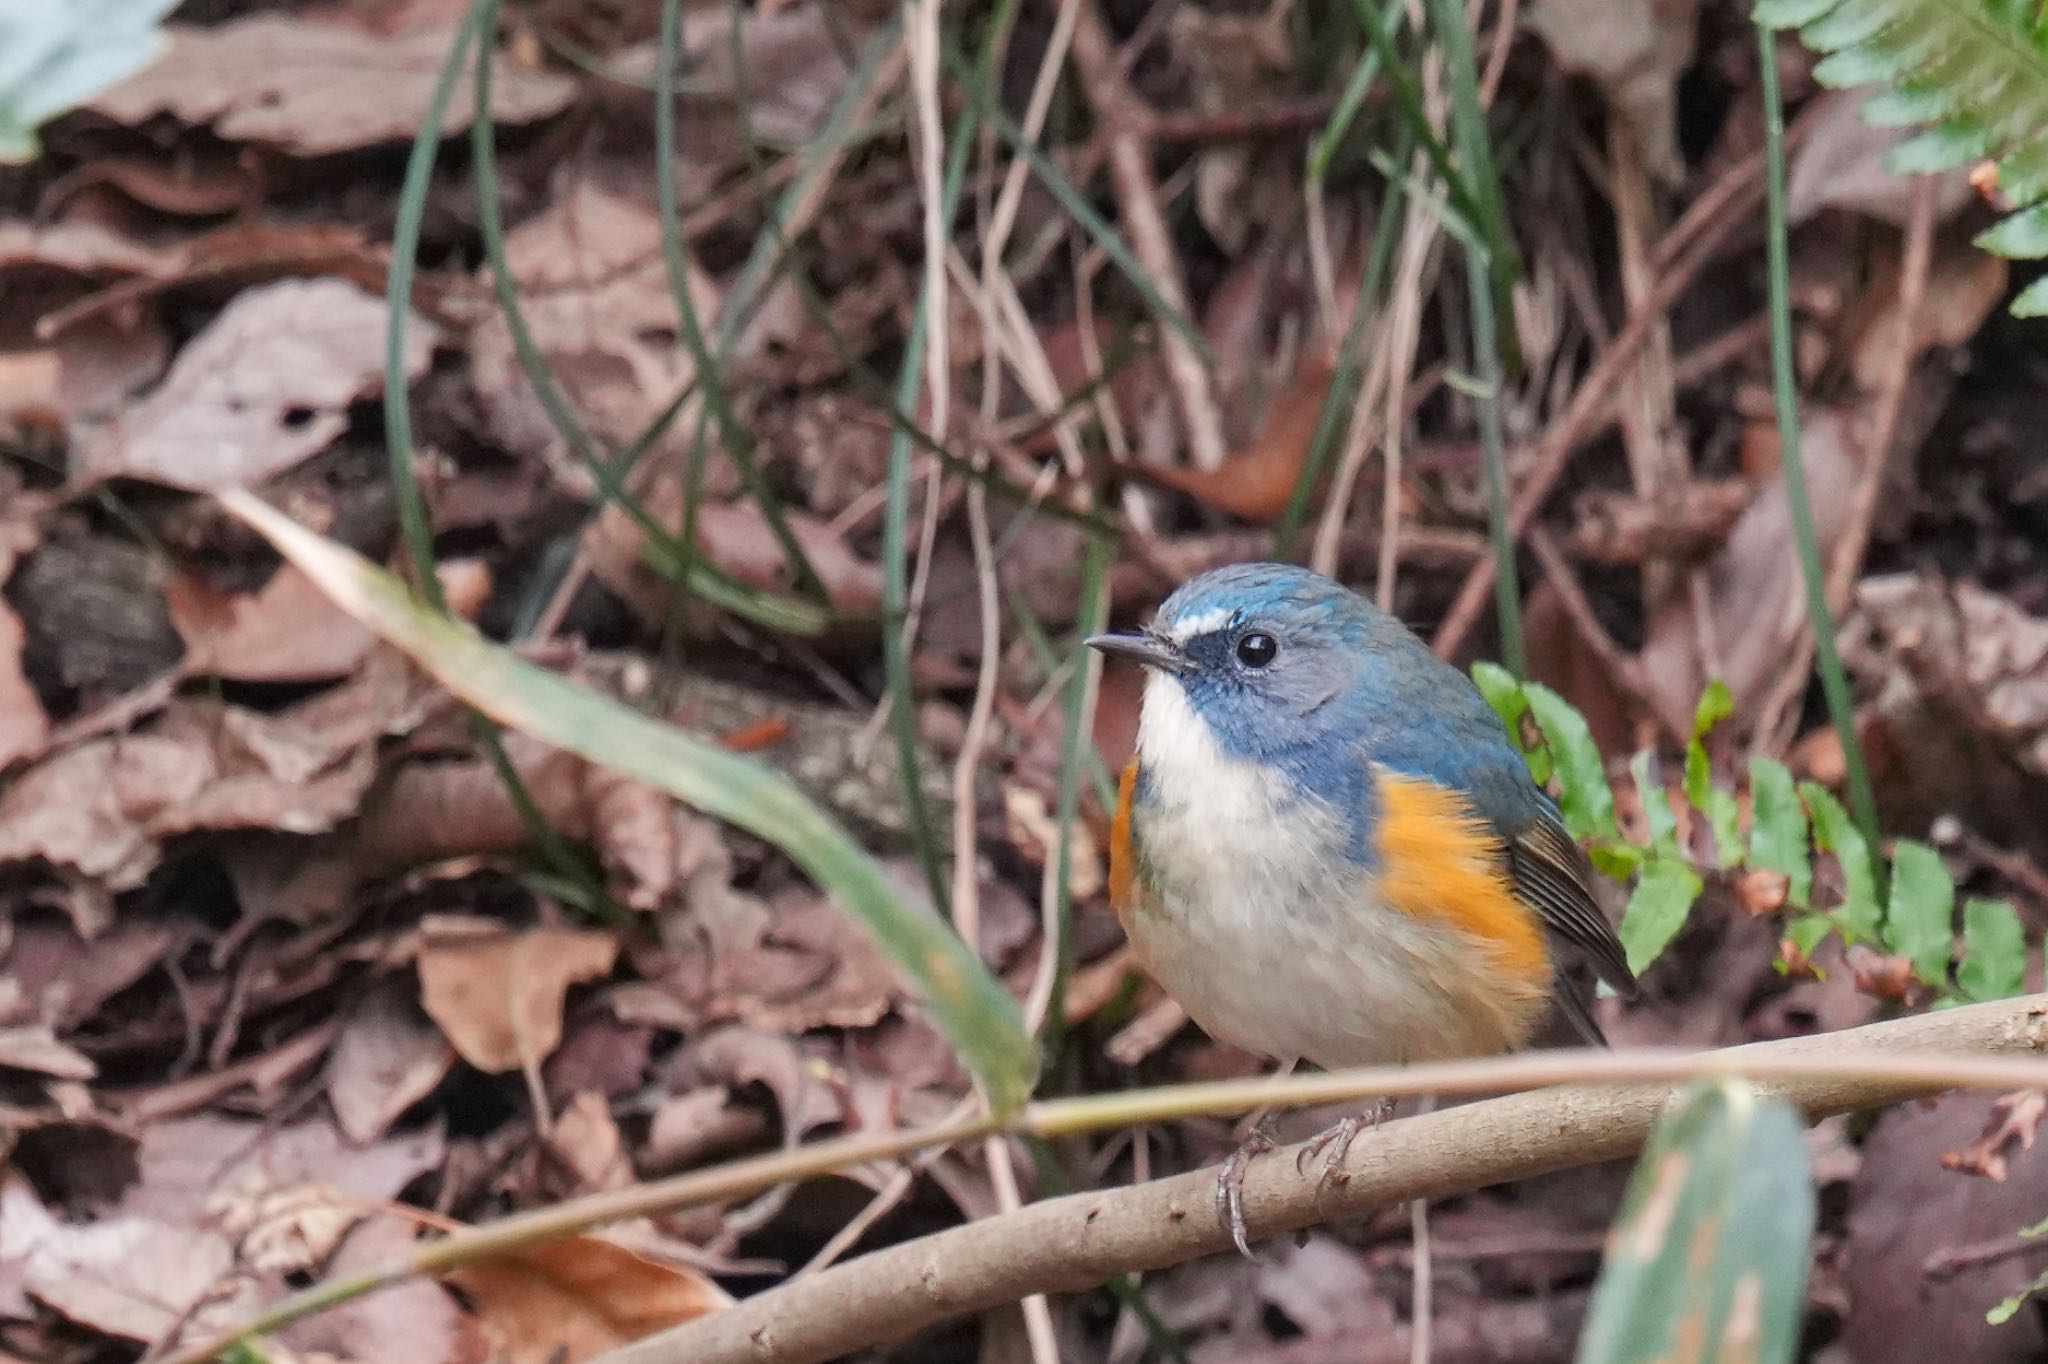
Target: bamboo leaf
x,y
1710,1257
965,1001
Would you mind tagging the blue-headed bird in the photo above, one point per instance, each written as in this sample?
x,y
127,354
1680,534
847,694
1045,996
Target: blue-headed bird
x,y
1326,849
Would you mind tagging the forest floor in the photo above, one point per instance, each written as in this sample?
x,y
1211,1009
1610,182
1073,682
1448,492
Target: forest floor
x,y
285,983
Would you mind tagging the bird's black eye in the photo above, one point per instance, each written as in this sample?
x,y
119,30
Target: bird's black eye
x,y
1256,650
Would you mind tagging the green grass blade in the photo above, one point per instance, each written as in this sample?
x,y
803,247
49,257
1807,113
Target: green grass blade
x,y
964,1000
1834,678
1710,1257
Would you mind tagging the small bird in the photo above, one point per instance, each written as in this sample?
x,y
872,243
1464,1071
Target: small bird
x,y
1326,849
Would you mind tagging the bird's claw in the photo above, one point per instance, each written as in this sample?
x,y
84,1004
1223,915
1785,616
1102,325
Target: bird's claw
x,y
1333,1143
1230,1187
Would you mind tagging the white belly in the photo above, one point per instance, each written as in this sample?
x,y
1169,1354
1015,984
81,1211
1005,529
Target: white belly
x,y
1251,915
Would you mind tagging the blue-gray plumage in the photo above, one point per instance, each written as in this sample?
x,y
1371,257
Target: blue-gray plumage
x,y
1326,847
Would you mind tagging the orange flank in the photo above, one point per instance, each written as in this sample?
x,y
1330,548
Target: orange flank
x,y
1439,861
1120,850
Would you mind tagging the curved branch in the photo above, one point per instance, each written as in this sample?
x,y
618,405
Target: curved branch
x,y
1083,1240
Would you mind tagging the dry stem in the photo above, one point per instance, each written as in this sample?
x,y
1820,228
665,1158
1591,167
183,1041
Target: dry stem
x,y
1078,1242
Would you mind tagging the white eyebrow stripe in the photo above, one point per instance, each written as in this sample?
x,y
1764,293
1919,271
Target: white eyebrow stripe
x,y
1188,627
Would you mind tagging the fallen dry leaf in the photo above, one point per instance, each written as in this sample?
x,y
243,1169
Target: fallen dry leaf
x,y
283,1228
498,994
103,807
1753,583
387,1057
23,724
1964,285
572,1300
1258,481
37,1049
587,1140
268,384
596,297
415,1321
2015,1120
316,89
1635,53
1840,164
288,631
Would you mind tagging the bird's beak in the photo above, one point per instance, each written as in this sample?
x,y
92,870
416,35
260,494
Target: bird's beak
x,y
1147,651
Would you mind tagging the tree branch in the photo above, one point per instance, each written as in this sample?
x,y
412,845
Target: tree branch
x,y
1083,1240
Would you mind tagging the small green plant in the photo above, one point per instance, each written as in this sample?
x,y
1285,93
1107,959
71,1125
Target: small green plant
x,y
1972,73
1791,825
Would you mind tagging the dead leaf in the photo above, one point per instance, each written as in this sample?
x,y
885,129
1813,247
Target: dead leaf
x,y
1635,53
1257,482
587,1140
137,1279
283,1228
1840,164
498,994
415,1321
572,1300
596,297
289,631
37,1049
266,385
1032,829
1964,285
102,807
24,727
387,1058
2014,1121
1753,583
316,89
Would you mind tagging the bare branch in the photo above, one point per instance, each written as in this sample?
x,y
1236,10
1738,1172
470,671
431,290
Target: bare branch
x,y
1075,1243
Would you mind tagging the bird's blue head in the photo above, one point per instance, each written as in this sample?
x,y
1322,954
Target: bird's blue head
x,y
1282,666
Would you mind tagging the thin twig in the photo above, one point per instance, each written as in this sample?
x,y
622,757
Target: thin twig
x,y
1125,123
1778,718
1693,242
1624,668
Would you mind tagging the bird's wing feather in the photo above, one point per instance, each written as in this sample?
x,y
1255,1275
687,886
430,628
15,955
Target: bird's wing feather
x,y
1552,875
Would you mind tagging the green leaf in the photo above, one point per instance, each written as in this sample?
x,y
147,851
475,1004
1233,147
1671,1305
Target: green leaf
x,y
2005,1311
1720,808
1657,909
1618,861
2033,300
1716,704
1920,920
1777,829
1503,691
1807,932
55,57
2023,236
1995,947
974,1011
1584,797
1859,916
1709,1259
1655,800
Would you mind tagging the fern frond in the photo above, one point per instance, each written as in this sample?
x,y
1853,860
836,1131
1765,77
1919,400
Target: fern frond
x,y
1972,74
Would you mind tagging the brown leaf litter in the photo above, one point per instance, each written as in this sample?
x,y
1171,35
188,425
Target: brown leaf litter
x,y
316,89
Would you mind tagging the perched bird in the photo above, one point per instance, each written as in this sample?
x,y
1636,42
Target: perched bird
x,y
1326,849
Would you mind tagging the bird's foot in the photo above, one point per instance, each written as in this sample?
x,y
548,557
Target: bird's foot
x,y
1230,1185
1333,1144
